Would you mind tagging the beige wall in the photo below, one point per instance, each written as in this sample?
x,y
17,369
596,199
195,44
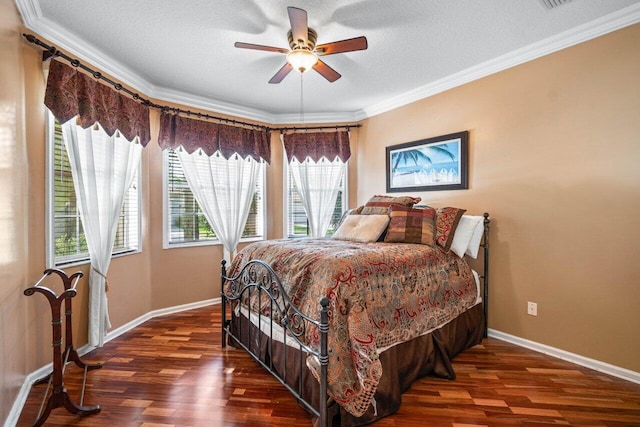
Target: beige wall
x,y
13,211
554,157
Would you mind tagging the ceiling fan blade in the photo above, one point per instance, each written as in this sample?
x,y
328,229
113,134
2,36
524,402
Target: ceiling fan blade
x,y
299,25
282,73
349,45
260,47
326,71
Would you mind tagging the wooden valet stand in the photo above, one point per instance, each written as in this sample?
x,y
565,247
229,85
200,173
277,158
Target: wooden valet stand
x,y
59,396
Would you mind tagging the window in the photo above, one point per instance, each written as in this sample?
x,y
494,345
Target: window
x,y
185,223
296,222
67,242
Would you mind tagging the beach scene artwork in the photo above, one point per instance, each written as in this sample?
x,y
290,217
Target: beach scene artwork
x,y
434,164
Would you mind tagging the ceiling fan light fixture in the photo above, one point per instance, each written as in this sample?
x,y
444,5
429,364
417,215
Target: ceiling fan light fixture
x,y
303,53
302,59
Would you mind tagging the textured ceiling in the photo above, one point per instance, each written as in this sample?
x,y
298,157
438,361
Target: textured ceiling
x,y
182,51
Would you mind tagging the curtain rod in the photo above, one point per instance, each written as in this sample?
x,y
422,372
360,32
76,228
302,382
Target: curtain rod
x,y
305,128
52,52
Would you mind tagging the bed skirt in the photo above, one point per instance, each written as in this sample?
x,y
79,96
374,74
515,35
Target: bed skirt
x,y
430,354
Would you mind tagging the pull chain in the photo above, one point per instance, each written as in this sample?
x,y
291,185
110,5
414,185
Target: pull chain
x,y
301,99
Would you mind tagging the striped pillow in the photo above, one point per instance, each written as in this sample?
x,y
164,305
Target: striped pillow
x,y
411,225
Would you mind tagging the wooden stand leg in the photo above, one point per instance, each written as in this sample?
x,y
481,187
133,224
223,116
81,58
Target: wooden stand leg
x,y
71,356
75,358
59,396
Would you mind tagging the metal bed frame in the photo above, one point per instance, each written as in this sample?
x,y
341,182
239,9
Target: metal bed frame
x,y
258,277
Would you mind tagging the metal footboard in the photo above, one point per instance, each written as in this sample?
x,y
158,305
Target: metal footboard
x,y
258,280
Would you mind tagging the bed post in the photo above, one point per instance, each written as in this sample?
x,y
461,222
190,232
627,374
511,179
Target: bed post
x,y
324,360
485,275
223,299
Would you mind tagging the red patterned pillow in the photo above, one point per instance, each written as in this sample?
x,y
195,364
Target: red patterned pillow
x,y
379,205
447,220
411,225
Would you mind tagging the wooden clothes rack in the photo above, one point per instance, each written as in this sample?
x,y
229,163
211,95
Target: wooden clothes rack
x,y
59,396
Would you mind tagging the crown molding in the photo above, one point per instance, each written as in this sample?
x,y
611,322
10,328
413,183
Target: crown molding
x,y
32,16
62,38
29,10
248,113
601,26
210,104
340,117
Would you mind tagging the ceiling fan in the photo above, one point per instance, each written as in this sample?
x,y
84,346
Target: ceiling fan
x,y
304,53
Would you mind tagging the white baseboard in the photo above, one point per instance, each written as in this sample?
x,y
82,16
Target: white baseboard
x,y
156,313
603,367
21,399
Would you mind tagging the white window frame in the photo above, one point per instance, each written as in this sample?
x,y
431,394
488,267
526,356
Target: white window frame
x,y
286,182
51,260
209,241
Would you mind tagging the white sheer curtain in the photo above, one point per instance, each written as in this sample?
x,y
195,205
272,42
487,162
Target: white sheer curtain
x,y
103,168
318,184
224,189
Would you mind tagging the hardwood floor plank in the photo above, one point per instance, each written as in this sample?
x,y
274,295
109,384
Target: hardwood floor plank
x,y
172,371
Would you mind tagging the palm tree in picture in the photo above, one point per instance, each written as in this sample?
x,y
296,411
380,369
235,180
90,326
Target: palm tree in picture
x,y
415,161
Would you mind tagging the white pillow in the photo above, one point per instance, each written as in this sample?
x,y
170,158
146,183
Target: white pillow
x,y
476,239
464,234
362,228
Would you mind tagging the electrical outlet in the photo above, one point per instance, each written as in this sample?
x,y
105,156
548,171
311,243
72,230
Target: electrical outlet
x,y
532,308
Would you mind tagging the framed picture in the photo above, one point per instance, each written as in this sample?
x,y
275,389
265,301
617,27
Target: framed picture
x,y
439,163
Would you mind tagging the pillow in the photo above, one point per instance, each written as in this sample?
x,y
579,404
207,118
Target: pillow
x,y
447,220
476,239
464,233
355,211
411,225
379,205
361,228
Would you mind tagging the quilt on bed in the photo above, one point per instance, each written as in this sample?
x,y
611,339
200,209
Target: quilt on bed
x,y
381,294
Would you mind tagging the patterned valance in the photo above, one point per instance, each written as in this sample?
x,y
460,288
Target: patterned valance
x,y
191,134
72,93
317,145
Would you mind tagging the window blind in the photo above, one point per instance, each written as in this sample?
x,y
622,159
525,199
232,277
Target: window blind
x,y
186,221
70,244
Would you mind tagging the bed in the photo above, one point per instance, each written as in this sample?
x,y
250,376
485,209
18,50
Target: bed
x,y
348,326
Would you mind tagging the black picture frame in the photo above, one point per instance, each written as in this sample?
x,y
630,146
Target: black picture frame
x,y
432,164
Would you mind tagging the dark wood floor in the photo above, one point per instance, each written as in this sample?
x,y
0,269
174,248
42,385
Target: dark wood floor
x,y
172,371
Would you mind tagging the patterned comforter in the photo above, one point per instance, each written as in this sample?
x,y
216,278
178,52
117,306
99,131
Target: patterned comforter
x,y
381,294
